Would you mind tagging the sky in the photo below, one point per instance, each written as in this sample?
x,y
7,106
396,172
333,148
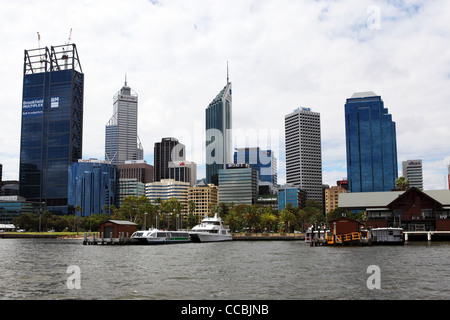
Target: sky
x,y
282,55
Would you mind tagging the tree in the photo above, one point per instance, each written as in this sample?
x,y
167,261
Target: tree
x,y
402,183
232,219
252,216
288,219
268,219
191,220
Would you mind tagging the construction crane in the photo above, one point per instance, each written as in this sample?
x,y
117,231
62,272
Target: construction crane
x,y
39,46
65,56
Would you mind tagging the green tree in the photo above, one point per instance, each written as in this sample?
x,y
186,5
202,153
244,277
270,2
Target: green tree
x,y
232,219
402,183
268,219
252,217
288,219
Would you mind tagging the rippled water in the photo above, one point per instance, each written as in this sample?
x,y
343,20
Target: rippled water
x,y
269,270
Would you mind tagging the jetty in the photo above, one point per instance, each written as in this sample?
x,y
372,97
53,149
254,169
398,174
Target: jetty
x,y
99,239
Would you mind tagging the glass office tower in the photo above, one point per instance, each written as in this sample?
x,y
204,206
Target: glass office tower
x,y
92,186
219,151
52,124
264,162
121,139
371,144
165,152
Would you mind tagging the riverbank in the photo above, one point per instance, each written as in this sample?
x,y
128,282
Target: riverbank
x,y
268,236
41,235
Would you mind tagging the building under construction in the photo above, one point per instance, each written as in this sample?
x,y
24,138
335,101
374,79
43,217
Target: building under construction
x,y
52,124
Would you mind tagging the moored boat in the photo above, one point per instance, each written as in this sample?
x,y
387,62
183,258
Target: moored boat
x,y
387,236
155,236
210,230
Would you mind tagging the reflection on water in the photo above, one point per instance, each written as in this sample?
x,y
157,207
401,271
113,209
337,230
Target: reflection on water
x,y
269,270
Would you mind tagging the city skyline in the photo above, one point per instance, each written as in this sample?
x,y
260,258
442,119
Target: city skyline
x,y
182,65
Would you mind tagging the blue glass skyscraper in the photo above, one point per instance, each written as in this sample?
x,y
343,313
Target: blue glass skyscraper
x,y
52,124
218,134
371,144
264,162
92,185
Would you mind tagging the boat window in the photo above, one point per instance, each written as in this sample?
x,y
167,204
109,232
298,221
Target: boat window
x,y
138,234
161,234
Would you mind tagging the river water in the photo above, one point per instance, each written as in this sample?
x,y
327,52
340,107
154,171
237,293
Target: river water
x,y
41,269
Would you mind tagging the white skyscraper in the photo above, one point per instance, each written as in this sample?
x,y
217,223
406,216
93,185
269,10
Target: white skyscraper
x,y
304,152
412,170
122,140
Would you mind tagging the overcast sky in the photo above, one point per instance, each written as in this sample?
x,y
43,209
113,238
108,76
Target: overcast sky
x,y
282,54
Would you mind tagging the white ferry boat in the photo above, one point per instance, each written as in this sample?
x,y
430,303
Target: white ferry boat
x,y
155,236
210,230
391,236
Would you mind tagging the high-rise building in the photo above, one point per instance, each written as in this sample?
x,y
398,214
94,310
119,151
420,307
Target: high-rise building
x,y
264,162
121,139
166,151
304,152
371,144
136,169
92,186
185,171
332,197
238,184
204,199
167,189
52,124
219,147
412,170
131,187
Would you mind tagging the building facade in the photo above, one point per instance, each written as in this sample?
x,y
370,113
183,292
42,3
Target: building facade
x,y
290,194
52,124
304,152
264,162
13,206
204,198
166,189
127,188
166,151
184,171
92,187
332,198
238,184
121,139
412,170
371,144
219,147
412,210
136,169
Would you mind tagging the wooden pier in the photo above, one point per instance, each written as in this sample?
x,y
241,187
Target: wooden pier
x,y
428,235
99,239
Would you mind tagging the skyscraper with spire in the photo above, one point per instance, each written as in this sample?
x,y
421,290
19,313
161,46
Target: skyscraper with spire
x,y
121,140
219,147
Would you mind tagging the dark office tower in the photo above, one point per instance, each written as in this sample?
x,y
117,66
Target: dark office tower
x,y
371,144
52,124
121,140
219,150
166,151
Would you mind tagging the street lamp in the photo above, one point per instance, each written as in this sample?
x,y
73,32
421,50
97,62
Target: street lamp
x,y
145,220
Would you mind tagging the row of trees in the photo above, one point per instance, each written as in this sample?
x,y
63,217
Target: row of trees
x,y
167,214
